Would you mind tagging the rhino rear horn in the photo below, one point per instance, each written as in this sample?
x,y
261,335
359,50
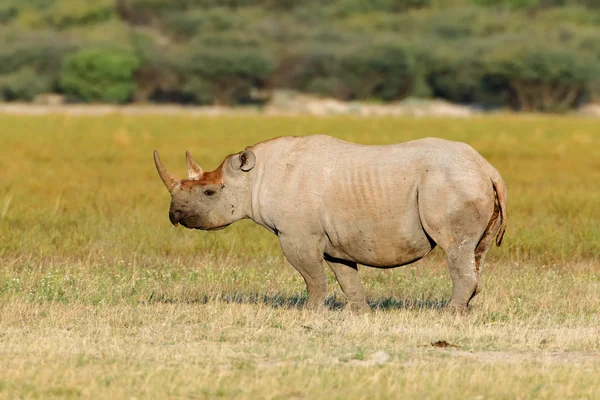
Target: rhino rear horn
x,y
194,170
168,178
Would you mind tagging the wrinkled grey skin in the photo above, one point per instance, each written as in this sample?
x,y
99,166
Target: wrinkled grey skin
x,y
344,204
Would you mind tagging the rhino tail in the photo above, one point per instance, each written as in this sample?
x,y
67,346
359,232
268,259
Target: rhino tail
x,y
501,194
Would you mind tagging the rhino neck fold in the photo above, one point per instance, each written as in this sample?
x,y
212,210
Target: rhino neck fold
x,y
260,204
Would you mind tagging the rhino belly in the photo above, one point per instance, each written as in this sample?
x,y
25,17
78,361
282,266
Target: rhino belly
x,y
379,242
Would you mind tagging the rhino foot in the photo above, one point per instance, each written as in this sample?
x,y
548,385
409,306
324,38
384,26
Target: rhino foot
x,y
455,308
358,308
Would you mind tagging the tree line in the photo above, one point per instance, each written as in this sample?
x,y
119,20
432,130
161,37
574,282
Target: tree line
x,y
532,55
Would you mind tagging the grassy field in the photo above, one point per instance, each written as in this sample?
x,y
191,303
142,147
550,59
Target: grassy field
x,y
100,297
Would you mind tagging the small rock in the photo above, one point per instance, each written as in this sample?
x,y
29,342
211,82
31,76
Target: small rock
x,y
49,99
590,110
379,357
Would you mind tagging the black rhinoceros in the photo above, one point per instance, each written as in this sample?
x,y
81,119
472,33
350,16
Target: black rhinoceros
x,y
346,204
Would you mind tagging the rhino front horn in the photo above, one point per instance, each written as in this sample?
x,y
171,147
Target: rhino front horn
x,y
168,178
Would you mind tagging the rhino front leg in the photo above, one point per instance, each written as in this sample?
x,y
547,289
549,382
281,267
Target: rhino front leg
x,y
346,273
305,253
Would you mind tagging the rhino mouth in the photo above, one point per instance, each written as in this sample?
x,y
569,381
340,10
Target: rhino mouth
x,y
199,222
218,228
204,228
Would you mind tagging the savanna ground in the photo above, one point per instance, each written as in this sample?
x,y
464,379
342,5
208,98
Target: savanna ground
x,y
100,297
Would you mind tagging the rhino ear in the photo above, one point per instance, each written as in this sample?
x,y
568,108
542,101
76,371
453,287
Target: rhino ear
x,y
244,161
194,170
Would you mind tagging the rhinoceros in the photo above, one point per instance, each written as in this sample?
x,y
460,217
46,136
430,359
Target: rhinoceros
x,y
343,204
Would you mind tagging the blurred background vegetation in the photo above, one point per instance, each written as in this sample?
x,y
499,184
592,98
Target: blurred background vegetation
x,y
531,55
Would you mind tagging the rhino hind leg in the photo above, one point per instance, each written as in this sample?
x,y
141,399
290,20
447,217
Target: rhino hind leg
x,y
459,221
305,253
346,273
461,263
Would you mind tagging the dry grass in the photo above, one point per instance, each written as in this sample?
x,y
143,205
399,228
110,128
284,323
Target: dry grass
x,y
101,297
258,351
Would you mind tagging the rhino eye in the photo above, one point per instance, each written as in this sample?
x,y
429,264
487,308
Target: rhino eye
x,y
209,192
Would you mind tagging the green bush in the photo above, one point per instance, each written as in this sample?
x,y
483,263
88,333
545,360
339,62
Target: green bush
x,y
456,72
67,13
43,53
526,71
160,75
541,76
8,12
510,3
199,90
287,5
230,39
164,77
346,7
144,11
330,86
23,85
100,75
298,69
231,73
379,71
441,24
384,71
574,16
537,4
590,43
184,25
468,23
36,4
160,6
217,20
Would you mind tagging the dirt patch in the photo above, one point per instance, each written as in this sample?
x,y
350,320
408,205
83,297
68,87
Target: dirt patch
x,y
443,344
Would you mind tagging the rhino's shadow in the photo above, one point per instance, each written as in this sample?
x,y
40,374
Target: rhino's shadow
x,y
390,303
299,301
332,302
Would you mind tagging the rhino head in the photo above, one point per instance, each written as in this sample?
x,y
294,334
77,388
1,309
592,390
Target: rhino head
x,y
209,200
